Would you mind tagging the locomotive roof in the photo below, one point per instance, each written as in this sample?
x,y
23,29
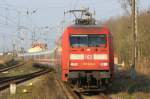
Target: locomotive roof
x,y
88,27
82,26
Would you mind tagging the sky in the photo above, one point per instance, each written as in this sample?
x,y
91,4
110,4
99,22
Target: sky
x,y
19,18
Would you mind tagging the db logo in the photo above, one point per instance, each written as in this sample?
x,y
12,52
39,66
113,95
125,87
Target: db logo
x,y
88,57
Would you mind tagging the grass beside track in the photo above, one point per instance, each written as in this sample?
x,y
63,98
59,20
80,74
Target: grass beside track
x,y
8,63
5,59
125,88
43,87
21,78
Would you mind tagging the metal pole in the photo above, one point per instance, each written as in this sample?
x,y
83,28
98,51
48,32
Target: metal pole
x,y
13,50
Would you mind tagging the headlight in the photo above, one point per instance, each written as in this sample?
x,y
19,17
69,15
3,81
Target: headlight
x,y
101,56
73,64
77,56
104,64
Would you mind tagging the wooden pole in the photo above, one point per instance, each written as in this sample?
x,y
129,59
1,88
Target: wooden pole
x,y
134,31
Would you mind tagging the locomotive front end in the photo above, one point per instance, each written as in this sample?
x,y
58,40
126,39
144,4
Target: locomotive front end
x,y
89,57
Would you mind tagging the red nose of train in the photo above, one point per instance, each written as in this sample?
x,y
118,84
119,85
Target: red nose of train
x,y
89,59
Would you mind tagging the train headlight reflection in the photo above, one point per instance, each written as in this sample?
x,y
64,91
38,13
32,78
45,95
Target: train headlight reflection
x,y
104,64
77,56
101,56
74,64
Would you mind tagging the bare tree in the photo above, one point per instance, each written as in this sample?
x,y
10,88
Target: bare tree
x,y
126,5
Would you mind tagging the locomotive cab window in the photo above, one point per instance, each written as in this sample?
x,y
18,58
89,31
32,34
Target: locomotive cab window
x,y
90,40
79,40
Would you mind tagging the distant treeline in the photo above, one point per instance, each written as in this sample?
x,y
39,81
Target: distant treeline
x,y
121,28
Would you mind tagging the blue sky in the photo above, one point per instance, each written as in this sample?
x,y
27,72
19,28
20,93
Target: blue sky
x,y
48,13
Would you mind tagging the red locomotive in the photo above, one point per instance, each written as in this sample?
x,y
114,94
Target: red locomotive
x,y
84,53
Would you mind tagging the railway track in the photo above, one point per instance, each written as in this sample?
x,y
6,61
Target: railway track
x,y
68,93
6,81
6,68
99,96
73,94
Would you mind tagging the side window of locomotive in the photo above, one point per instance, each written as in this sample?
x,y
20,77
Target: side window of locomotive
x,y
79,40
97,40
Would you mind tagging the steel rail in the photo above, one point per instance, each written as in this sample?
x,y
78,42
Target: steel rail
x,y
68,92
6,68
21,78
